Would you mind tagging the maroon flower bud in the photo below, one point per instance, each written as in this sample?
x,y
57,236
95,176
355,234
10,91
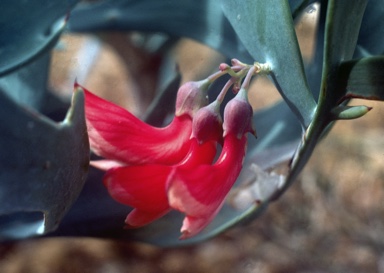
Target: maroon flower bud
x,y
191,96
238,116
207,123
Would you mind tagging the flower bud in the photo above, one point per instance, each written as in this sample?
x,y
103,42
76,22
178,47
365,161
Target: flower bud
x,y
207,123
349,112
191,96
238,116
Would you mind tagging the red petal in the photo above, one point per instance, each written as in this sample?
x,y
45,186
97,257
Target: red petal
x,y
144,187
115,133
139,218
141,187
200,192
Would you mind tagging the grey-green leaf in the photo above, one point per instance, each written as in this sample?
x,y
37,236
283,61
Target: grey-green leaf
x,y
343,19
274,41
29,28
349,112
363,78
27,85
341,32
199,20
43,166
297,6
371,36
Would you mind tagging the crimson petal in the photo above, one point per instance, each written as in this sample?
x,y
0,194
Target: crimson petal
x,y
115,133
200,192
144,187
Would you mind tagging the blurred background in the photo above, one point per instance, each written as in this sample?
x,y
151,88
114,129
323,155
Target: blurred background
x,y
330,220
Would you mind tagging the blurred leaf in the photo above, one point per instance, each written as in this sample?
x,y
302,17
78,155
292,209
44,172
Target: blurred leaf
x,y
314,69
202,21
27,85
199,20
54,107
276,126
43,166
363,78
94,213
275,42
29,28
169,81
371,36
342,29
297,6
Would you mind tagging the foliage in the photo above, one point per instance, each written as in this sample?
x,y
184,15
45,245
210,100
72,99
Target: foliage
x,y
53,157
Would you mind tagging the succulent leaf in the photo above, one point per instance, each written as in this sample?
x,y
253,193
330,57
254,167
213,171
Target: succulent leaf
x,y
43,166
29,28
362,78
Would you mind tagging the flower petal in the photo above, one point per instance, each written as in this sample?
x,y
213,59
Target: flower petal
x,y
141,187
115,133
200,193
144,187
193,225
138,218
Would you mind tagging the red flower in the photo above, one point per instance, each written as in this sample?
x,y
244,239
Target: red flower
x,y
144,187
200,192
155,170
123,139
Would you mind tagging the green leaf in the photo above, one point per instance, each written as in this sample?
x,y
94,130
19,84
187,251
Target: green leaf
x,y
276,126
363,78
43,166
165,232
343,19
349,112
371,36
27,85
341,32
29,28
297,6
199,20
267,32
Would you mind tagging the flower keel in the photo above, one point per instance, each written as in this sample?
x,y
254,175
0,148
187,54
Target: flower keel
x,y
200,194
144,187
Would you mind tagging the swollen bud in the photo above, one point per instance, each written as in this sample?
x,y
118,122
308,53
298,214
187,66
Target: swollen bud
x,y
191,96
238,116
207,123
350,112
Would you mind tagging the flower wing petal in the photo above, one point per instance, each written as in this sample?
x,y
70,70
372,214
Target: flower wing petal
x,y
115,133
141,187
